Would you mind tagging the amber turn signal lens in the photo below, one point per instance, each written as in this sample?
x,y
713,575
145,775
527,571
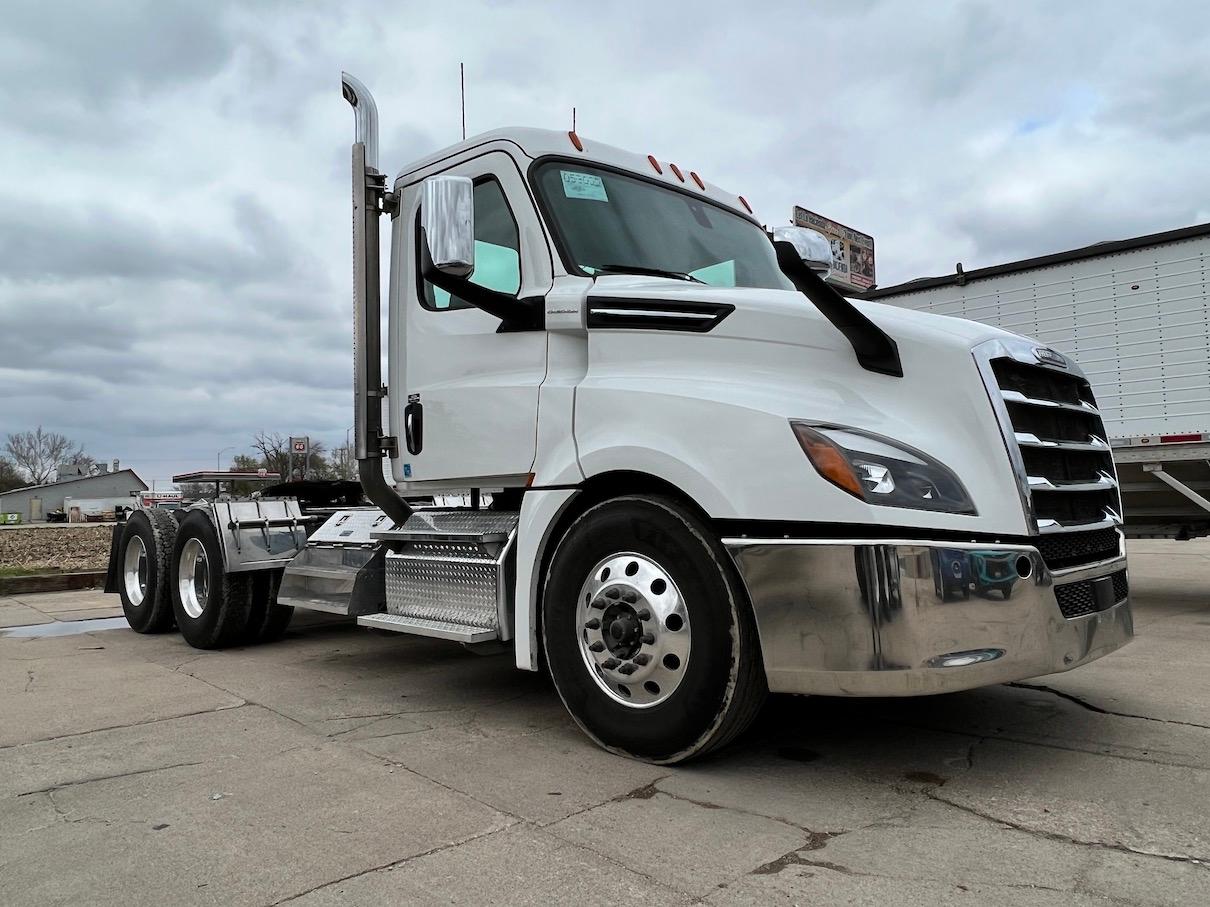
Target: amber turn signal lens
x,y
828,459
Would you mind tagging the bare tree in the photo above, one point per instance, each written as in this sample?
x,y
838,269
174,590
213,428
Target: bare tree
x,y
37,453
10,478
274,452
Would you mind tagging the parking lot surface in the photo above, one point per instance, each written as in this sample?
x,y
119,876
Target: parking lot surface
x,y
344,766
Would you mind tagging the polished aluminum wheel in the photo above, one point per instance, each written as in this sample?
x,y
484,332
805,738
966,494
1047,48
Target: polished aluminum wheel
x,y
634,629
134,571
194,578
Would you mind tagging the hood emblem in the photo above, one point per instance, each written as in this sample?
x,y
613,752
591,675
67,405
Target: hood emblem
x,y
1047,356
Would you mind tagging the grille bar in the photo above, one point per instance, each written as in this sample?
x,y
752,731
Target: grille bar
x,y
1056,439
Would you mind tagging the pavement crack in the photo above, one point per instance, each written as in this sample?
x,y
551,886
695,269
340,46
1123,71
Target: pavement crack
x,y
130,774
1203,862
119,727
1085,704
395,864
796,858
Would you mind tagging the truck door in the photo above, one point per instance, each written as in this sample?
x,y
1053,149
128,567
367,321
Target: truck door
x,y
467,413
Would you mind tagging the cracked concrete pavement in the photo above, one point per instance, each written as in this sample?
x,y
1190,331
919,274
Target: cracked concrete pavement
x,y
344,766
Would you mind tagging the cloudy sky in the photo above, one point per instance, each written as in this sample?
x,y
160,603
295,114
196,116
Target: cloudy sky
x,y
174,224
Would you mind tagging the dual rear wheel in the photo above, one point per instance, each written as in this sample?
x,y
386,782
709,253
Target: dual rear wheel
x,y
173,575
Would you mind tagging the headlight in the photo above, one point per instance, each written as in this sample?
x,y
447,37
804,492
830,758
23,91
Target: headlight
x,y
881,471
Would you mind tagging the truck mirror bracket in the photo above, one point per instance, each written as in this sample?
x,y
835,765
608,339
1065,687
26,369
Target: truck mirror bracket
x,y
524,314
875,349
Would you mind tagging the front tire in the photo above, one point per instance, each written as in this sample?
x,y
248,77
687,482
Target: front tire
x,y
648,634
144,570
212,607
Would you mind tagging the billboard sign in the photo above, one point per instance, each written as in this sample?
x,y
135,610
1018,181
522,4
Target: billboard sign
x,y
852,252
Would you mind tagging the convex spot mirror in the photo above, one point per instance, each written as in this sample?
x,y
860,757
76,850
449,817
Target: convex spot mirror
x,y
447,216
812,246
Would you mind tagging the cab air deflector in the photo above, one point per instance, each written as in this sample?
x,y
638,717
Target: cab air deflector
x,y
876,351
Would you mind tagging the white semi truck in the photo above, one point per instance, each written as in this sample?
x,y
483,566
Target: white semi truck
x,y
712,476
1136,313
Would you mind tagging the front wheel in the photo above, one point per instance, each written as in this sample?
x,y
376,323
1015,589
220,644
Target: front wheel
x,y
648,635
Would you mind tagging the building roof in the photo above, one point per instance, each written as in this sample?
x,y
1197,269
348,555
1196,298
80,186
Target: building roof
x,y
1043,261
224,475
100,475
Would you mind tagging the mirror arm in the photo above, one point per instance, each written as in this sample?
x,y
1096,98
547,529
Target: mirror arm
x,y
875,349
528,314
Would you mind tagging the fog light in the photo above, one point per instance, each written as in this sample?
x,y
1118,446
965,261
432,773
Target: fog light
x,y
964,659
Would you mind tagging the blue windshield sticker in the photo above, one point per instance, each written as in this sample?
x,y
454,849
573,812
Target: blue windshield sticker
x,y
583,185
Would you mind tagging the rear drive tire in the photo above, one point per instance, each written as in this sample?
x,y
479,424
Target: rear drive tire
x,y
648,633
144,570
211,607
268,620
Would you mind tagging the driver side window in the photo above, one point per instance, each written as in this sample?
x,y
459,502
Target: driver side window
x,y
497,249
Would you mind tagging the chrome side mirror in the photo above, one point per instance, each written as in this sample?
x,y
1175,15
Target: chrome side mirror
x,y
812,247
447,216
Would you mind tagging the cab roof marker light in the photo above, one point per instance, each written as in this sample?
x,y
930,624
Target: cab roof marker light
x,y
677,172
743,201
575,140
655,164
697,179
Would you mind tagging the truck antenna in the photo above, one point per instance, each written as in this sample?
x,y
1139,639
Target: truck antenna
x,y
573,119
462,84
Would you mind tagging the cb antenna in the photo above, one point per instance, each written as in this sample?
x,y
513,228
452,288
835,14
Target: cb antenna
x,y
573,119
462,84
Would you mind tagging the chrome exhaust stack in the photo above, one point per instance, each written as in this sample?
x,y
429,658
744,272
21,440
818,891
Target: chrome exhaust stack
x,y
369,191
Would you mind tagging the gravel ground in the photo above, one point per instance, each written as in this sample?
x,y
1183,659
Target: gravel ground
x,y
81,546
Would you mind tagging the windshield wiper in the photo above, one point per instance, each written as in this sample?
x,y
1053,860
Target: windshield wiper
x,y
646,272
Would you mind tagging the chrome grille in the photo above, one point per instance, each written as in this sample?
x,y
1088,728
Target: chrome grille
x,y
1058,444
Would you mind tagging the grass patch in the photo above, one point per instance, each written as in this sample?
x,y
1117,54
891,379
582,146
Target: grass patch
x,y
29,571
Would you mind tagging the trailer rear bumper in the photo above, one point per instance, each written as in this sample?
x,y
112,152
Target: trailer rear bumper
x,y
906,618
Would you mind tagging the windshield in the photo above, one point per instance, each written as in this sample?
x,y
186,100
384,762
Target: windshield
x,y
610,223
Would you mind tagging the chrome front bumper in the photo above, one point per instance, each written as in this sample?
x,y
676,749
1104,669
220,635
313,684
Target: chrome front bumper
x,y
907,618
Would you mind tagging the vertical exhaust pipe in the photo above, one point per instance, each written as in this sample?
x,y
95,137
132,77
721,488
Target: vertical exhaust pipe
x,y
369,187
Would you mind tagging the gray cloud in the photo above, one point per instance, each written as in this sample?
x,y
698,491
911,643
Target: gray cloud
x,y
174,241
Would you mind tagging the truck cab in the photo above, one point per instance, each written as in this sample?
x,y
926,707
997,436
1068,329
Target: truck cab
x,y
710,475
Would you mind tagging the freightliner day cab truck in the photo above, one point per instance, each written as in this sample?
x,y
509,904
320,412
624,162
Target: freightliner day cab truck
x,y
712,476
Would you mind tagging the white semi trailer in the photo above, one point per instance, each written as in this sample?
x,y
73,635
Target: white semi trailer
x,y
1136,314
712,475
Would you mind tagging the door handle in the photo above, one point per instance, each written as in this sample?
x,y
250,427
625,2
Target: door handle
x,y
413,427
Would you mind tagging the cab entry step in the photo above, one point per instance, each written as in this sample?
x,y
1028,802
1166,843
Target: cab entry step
x,y
419,626
449,574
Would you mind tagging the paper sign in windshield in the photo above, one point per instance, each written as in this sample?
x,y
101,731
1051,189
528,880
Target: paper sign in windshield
x,y
583,185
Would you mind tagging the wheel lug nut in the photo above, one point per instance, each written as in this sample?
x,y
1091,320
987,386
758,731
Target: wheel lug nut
x,y
593,624
610,663
597,647
644,615
627,669
630,597
613,593
642,658
648,639
600,604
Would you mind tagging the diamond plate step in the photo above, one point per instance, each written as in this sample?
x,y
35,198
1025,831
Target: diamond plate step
x,y
477,526
420,626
